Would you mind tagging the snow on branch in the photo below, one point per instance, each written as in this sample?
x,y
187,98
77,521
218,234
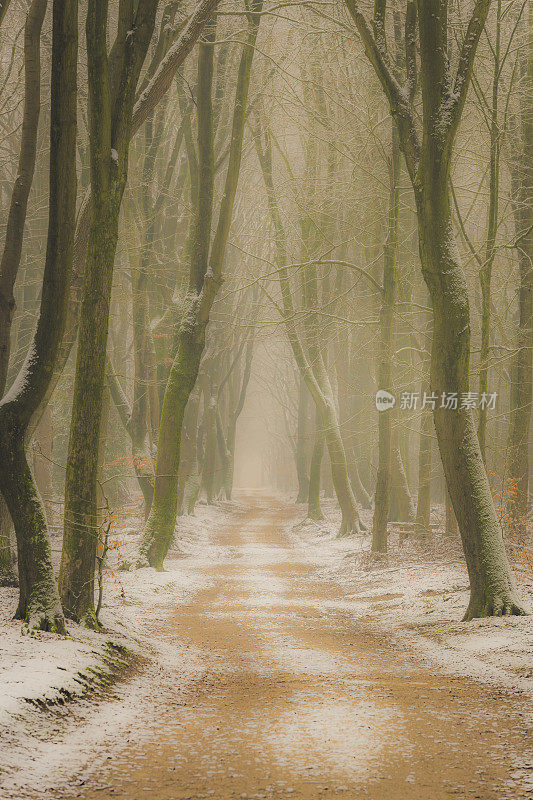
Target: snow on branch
x,y
465,66
162,79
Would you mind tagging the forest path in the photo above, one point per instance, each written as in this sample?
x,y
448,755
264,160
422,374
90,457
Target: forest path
x,y
299,700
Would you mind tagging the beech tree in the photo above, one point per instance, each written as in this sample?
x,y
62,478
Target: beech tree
x,y
39,603
206,265
427,156
10,263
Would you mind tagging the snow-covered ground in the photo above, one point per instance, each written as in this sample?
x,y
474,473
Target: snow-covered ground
x,y
416,595
68,675
45,667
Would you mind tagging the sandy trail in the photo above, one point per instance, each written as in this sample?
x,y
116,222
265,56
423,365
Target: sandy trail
x,y
300,700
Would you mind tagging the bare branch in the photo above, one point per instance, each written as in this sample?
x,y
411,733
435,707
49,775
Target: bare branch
x,y
162,80
466,63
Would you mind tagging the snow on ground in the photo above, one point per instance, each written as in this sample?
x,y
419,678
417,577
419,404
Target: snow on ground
x,y
47,670
46,667
418,594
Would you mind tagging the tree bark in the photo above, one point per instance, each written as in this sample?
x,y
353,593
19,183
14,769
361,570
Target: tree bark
x,y
384,475
302,443
42,461
428,158
204,283
210,454
189,476
234,414
4,5
39,603
10,263
8,575
314,510
522,367
142,462
402,506
110,130
16,220
451,529
423,505
485,274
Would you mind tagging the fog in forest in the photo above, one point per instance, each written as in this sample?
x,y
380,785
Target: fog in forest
x,y
266,379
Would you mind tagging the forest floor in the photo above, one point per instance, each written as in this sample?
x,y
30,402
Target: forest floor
x,y
274,660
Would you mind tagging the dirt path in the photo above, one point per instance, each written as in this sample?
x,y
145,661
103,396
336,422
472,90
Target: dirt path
x,y
300,700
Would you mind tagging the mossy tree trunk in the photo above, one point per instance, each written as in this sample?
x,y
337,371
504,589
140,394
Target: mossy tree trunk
x,y
111,102
10,263
42,449
428,159
159,528
205,278
8,574
39,603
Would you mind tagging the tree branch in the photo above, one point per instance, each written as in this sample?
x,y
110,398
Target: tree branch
x,y
162,80
466,64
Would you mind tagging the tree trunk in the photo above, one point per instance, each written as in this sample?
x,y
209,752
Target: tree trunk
x,y
349,432
189,476
492,586
10,263
110,129
384,478
141,418
203,287
522,367
8,575
4,5
423,505
210,454
302,443
490,250
159,529
76,577
402,506
142,461
234,415
16,220
39,602
313,501
428,158
42,461
451,528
